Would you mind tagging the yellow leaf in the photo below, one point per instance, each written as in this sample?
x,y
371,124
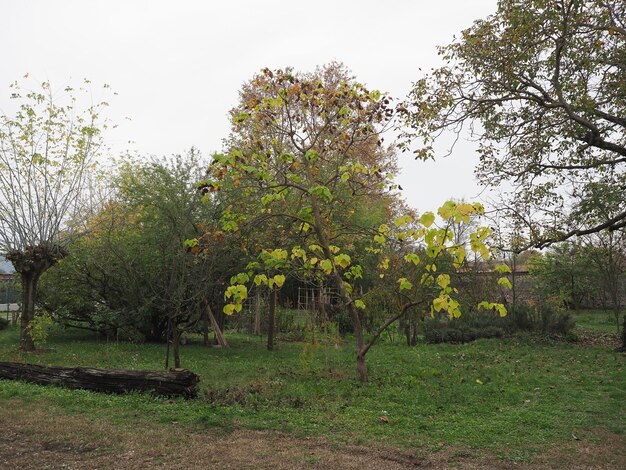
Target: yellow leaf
x,y
279,280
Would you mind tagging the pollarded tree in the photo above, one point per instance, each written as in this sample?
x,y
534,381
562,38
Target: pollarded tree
x,y
47,149
542,86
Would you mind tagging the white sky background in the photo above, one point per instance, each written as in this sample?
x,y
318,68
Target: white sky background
x,y
177,66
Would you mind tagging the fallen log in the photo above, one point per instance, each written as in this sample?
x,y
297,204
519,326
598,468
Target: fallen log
x,y
175,382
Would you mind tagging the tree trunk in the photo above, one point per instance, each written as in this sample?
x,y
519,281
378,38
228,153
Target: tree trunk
x,y
168,336
623,348
361,368
271,321
257,312
29,286
176,346
205,328
31,262
174,383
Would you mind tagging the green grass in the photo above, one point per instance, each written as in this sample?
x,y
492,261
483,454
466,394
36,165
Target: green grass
x,y
601,321
512,397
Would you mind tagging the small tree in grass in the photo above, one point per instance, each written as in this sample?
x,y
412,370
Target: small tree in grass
x,y
309,147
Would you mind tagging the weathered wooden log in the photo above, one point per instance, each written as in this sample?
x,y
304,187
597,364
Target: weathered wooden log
x,y
175,382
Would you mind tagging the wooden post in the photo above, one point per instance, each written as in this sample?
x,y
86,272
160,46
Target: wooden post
x,y
216,328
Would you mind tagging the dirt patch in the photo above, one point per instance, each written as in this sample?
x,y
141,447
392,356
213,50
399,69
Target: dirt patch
x,y
595,338
39,438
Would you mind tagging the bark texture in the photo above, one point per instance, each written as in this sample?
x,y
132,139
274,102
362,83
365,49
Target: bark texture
x,y
176,382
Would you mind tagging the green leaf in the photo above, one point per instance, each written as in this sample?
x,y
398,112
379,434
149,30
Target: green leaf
x,y
402,221
440,303
405,284
260,279
191,243
503,281
502,268
342,260
427,219
240,278
501,309
359,304
443,280
311,155
321,192
326,265
375,95
412,258
447,210
229,309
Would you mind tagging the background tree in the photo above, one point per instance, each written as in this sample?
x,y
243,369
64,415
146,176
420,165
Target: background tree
x,y
541,86
566,275
47,149
132,271
606,250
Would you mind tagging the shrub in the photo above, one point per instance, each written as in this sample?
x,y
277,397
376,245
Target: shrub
x,y
4,323
463,330
544,319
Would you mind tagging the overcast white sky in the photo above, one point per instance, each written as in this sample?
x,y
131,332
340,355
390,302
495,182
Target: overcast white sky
x,y
177,66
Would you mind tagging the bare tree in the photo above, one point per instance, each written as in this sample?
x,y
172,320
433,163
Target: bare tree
x,y
47,149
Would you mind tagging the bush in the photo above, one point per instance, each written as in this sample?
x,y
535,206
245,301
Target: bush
x,y
462,330
4,323
545,319
475,325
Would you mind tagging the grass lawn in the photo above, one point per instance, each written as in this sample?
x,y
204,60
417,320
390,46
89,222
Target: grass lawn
x,y
601,321
512,398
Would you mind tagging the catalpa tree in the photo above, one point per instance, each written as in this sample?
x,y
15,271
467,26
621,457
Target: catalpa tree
x,y
308,149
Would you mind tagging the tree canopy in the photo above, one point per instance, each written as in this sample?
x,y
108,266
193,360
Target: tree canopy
x,y
309,149
541,85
